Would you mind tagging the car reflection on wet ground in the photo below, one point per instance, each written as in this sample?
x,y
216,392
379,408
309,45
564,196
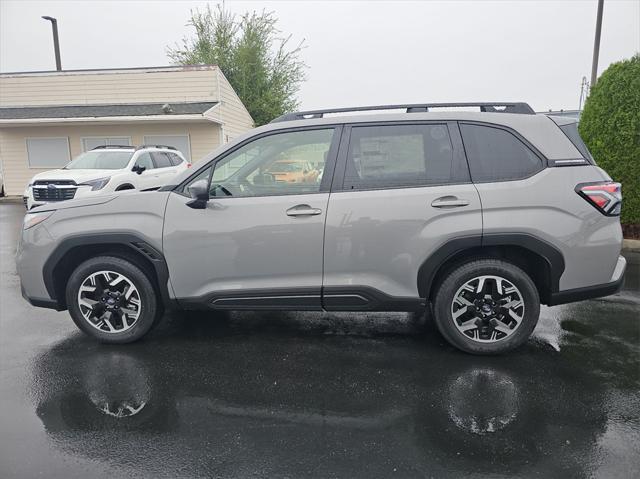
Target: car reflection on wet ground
x,y
316,395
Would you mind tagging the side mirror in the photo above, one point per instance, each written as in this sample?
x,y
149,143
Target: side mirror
x,y
138,169
199,191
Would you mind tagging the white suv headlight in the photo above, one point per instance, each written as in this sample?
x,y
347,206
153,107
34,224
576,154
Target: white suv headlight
x,y
33,219
96,184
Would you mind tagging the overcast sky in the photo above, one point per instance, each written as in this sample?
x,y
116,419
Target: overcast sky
x,y
358,52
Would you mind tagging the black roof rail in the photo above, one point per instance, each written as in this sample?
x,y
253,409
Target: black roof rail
x,y
493,107
104,147
157,146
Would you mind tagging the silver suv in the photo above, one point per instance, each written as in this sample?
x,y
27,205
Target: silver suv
x,y
478,215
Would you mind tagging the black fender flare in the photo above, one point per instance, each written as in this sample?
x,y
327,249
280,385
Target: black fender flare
x,y
138,246
431,266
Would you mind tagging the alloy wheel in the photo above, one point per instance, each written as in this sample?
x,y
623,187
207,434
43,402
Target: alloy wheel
x,y
109,301
487,308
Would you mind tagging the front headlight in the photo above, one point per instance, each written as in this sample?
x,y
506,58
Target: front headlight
x,y
32,219
96,184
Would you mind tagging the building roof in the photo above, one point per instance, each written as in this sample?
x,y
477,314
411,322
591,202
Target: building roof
x,y
106,110
98,71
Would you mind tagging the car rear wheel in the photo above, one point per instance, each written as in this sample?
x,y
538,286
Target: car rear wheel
x,y
112,300
487,306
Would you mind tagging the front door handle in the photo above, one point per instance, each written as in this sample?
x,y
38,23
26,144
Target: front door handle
x,y
449,202
303,210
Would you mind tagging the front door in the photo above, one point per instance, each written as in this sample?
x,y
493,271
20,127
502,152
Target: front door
x,y
258,242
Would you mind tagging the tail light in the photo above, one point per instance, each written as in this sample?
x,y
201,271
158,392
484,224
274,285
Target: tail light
x,y
605,196
188,165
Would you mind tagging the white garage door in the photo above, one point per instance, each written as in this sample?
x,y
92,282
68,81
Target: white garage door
x,y
181,142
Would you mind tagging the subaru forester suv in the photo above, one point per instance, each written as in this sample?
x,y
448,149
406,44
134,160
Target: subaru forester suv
x,y
480,216
106,169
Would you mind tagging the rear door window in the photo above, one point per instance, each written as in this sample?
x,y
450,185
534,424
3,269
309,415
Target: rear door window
x,y
396,156
161,159
144,159
175,159
496,154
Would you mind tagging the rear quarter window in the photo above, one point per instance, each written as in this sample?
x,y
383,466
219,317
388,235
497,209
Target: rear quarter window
x,y
571,130
496,154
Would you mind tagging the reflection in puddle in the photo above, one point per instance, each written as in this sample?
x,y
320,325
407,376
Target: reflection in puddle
x,y
482,401
117,384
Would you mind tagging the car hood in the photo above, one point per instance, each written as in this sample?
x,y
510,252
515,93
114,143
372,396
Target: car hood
x,y
78,176
126,195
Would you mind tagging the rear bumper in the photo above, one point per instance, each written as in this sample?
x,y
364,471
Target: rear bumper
x,y
590,292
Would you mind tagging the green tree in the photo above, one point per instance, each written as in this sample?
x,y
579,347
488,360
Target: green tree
x,y
610,126
263,69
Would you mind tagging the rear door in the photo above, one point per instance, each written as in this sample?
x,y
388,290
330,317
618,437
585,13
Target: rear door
x,y
146,179
401,191
165,170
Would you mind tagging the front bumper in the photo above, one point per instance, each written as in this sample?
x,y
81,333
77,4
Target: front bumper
x,y
41,302
595,291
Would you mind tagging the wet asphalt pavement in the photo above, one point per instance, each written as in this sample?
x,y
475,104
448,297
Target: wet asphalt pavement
x,y
316,395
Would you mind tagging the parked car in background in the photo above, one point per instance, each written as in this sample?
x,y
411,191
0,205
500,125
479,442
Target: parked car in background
x,y
293,171
478,216
106,169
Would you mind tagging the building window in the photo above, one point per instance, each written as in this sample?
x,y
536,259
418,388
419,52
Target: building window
x,y
48,152
92,142
179,142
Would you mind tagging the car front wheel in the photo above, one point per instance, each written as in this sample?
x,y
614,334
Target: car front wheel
x,y
487,306
112,300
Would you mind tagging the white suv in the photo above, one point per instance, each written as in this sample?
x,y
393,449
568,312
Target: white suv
x,y
106,169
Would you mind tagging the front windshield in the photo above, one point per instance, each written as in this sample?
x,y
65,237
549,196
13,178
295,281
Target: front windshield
x,y
100,160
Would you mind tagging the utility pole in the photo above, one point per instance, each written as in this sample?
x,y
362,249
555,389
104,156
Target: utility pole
x,y
56,43
584,92
596,44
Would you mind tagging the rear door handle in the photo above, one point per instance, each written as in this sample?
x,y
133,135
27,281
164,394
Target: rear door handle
x,y
303,210
449,202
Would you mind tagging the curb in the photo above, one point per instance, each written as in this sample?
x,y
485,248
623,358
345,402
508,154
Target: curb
x,y
11,199
631,246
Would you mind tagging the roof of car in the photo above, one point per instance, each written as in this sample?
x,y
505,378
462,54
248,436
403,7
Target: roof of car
x,y
539,129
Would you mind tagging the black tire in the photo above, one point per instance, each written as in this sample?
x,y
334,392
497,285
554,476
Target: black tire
x,y
490,267
150,310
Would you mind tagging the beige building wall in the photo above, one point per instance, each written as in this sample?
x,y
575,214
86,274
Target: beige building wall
x,y
144,85
232,112
109,86
203,137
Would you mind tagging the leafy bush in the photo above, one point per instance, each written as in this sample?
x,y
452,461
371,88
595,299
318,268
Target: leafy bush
x,y
610,126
